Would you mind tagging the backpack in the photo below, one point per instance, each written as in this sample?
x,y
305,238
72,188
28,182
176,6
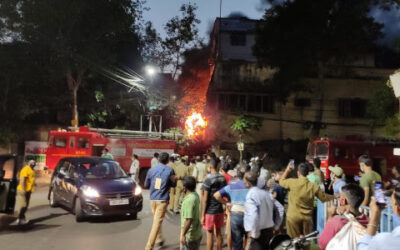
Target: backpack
x,y
348,236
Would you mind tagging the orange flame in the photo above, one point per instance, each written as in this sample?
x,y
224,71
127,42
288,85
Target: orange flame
x,y
195,125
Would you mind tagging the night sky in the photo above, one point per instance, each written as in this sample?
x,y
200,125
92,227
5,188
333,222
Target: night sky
x,y
162,10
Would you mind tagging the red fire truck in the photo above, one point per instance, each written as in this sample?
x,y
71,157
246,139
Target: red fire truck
x,y
345,153
122,144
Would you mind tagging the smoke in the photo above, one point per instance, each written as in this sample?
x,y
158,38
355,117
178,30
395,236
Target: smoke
x,y
266,4
237,14
391,20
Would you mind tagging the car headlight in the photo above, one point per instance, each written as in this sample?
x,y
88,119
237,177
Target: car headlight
x,y
90,192
138,190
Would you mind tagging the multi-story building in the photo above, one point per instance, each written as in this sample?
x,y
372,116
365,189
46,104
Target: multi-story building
x,y
240,87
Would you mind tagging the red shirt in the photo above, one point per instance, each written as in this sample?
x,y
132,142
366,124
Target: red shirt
x,y
334,225
227,178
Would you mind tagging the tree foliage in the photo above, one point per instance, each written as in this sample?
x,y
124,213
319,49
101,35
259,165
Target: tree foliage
x,y
244,124
181,34
304,36
79,36
381,106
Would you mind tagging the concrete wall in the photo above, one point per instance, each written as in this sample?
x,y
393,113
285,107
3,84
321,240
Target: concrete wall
x,y
230,52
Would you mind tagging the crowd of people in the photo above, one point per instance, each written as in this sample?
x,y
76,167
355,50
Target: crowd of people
x,y
249,204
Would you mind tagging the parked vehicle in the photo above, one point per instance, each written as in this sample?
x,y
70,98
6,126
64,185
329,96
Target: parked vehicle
x,y
93,187
8,183
284,242
121,143
345,153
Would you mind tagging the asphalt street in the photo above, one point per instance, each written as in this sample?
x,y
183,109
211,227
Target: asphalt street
x,y
55,228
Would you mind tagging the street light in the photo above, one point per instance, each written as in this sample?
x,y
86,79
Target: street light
x,y
150,70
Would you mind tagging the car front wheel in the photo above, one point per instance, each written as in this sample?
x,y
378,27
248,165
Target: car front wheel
x,y
79,216
52,199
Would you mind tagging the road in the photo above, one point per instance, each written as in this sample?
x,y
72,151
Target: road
x,y
55,228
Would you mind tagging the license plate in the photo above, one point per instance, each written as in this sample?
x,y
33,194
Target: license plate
x,y
117,202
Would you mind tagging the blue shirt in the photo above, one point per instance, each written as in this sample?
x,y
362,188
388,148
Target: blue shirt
x,y
164,173
259,209
337,186
280,193
384,241
237,192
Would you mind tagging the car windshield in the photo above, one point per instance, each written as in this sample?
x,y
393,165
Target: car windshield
x,y
102,170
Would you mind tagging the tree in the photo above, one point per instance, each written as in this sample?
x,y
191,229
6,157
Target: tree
x,y
381,106
153,48
79,35
244,124
181,34
304,37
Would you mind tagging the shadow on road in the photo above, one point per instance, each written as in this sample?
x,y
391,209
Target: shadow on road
x,y
111,219
6,226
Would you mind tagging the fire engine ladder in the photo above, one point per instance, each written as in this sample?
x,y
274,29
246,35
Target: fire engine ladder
x,y
119,133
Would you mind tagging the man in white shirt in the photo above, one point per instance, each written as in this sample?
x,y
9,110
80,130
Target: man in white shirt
x,y
154,161
258,215
134,170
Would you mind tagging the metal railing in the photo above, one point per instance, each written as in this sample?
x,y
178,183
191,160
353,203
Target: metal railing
x,y
386,223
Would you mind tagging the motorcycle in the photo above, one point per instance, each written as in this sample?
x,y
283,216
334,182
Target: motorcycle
x,y
284,242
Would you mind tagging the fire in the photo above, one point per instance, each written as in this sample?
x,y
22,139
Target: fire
x,y
195,125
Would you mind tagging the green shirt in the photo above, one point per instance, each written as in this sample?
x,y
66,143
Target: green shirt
x,y
191,210
368,181
107,156
314,178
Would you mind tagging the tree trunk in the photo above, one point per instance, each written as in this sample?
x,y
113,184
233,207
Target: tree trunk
x,y
316,128
73,86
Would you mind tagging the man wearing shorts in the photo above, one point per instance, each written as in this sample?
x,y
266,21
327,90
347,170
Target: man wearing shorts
x,y
211,210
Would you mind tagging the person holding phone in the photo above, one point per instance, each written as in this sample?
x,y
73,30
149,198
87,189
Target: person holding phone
x,y
368,178
301,200
384,241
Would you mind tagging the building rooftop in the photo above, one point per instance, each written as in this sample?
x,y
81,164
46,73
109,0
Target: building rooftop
x,y
236,24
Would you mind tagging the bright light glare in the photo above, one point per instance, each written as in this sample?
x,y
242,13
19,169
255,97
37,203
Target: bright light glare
x,y
150,70
90,192
138,190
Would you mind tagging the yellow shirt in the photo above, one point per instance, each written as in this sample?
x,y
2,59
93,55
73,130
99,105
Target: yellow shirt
x,y
29,175
301,196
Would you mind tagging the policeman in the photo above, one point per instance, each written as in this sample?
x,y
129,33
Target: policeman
x,y
180,171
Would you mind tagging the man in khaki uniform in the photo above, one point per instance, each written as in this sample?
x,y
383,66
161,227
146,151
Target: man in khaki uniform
x,y
25,189
192,163
172,165
180,172
301,201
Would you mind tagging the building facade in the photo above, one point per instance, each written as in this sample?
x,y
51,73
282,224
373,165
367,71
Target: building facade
x,y
240,87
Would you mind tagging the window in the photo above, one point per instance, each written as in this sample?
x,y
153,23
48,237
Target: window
x,y
268,104
72,142
249,103
60,142
302,102
254,104
83,143
322,149
352,108
238,38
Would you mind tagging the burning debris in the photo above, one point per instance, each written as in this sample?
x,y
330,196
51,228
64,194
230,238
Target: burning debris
x,y
195,125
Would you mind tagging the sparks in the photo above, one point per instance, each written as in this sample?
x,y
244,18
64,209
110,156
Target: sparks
x,y
195,125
